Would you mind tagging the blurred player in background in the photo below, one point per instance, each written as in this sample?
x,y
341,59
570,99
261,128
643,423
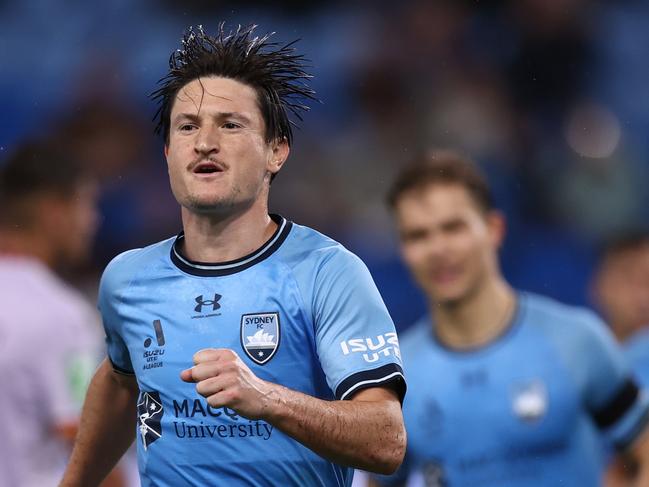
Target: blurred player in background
x,y
296,370
621,292
621,288
506,388
49,335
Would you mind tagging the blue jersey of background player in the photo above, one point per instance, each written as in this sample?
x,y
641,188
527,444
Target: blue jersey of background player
x,y
621,291
505,388
296,372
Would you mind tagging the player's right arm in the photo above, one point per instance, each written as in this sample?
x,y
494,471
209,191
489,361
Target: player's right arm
x,y
106,429
107,425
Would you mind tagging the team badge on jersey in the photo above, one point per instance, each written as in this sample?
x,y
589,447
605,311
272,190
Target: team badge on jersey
x,y
260,335
530,401
149,413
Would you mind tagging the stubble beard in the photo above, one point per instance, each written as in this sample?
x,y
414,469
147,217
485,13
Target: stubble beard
x,y
228,204
212,204
468,293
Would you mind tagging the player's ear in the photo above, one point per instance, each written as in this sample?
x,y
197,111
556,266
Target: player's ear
x,y
497,227
279,154
166,149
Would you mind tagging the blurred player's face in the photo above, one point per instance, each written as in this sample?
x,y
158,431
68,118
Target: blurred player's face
x,y
622,288
71,222
448,243
218,157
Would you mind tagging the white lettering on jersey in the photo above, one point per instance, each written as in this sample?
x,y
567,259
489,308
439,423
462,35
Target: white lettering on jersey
x,y
373,348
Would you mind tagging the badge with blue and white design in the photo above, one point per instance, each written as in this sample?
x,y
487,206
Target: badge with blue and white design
x,y
260,335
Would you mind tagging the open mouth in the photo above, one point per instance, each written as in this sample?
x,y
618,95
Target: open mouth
x,y
207,168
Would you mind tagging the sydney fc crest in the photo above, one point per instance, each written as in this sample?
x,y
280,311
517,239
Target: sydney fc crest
x,y
530,401
260,335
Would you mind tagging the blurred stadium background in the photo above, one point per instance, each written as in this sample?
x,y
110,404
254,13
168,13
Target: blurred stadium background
x,y
551,98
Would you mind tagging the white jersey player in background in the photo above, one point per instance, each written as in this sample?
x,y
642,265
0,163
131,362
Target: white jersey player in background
x,y
50,336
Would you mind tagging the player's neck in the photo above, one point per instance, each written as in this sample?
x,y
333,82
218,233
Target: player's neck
x,y
26,244
222,238
478,319
625,332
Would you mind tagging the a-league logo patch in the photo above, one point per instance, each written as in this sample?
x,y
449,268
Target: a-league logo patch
x,y
149,413
260,336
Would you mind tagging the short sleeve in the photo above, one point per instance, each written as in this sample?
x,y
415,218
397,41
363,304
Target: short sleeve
x,y
68,367
616,404
356,340
108,302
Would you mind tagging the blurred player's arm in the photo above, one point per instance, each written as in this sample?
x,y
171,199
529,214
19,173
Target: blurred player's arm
x,y
631,467
106,429
366,432
616,404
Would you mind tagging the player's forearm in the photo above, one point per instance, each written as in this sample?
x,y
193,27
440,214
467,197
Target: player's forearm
x,y
366,434
106,429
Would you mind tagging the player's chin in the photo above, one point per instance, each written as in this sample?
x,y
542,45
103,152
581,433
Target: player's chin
x,y
449,294
207,203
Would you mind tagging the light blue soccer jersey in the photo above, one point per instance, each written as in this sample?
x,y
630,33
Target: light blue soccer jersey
x,y
524,410
301,311
636,350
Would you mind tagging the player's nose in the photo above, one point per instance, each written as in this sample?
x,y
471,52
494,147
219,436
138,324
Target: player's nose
x,y
207,140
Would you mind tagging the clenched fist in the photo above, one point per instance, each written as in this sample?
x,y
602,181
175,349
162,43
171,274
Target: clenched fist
x,y
225,380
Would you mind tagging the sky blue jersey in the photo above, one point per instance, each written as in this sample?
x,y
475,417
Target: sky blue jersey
x,y
528,409
636,350
301,311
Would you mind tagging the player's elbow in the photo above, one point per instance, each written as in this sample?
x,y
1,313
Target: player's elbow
x,y
389,454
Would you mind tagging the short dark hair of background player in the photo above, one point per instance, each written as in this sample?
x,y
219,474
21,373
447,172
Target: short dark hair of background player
x,y
36,167
442,167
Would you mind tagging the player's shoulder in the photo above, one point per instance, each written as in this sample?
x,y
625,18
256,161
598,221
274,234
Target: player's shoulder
x,y
638,345
417,339
308,246
559,319
123,267
58,301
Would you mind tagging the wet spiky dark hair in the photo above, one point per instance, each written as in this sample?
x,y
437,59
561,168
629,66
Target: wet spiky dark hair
x,y
276,73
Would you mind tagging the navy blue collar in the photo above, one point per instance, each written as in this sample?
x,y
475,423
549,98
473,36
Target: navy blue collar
x,y
512,326
205,269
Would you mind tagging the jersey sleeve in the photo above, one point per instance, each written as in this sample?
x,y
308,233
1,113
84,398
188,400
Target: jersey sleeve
x,y
618,407
68,367
355,337
108,302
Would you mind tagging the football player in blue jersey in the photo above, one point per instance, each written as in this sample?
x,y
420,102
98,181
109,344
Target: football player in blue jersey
x,y
505,388
621,290
248,350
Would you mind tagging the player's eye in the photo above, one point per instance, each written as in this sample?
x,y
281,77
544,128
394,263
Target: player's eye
x,y
454,226
186,127
413,235
231,125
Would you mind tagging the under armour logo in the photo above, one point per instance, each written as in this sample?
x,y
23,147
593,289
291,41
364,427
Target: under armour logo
x,y
214,303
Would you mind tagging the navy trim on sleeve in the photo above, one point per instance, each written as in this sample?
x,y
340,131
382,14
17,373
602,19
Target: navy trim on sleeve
x,y
618,406
120,370
628,440
390,375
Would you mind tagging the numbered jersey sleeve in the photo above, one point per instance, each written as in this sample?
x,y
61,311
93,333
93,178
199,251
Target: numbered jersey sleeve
x,y
618,407
355,336
111,287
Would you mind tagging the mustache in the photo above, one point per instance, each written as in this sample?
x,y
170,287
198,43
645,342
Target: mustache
x,y
202,159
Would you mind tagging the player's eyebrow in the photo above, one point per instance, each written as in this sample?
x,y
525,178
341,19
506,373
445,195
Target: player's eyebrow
x,y
193,117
